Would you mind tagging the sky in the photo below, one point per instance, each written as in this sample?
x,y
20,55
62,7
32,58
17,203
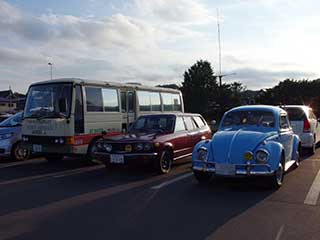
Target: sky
x,y
156,41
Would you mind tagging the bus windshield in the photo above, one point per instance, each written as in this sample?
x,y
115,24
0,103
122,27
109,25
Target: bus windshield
x,y
44,101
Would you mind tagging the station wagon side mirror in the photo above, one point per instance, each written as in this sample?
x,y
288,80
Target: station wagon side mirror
x,y
63,105
213,122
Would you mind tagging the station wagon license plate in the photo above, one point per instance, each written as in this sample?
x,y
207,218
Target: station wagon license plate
x,y
36,148
117,158
225,169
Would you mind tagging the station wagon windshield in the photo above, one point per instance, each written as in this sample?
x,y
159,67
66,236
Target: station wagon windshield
x,y
43,100
153,124
249,118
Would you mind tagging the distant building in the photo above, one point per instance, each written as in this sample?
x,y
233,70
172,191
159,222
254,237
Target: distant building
x,y
11,102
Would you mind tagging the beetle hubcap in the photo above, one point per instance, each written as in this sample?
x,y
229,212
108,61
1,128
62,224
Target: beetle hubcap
x,y
279,174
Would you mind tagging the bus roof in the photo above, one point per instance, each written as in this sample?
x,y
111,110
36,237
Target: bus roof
x,y
106,84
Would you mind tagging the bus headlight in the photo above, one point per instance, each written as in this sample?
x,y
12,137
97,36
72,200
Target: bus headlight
x,y
262,156
202,154
107,147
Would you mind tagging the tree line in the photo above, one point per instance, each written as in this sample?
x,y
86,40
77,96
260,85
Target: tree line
x,y
202,93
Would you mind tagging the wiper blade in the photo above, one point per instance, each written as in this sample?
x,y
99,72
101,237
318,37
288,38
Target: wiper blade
x,y
52,114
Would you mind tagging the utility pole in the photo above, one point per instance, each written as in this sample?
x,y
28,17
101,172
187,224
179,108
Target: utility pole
x,y
50,64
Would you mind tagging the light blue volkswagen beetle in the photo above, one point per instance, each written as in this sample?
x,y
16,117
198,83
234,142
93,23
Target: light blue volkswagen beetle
x,y
251,141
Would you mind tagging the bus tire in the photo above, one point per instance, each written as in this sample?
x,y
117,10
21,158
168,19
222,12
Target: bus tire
x,y
91,149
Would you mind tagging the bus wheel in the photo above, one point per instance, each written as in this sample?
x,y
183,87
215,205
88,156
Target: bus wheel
x,y
91,149
54,157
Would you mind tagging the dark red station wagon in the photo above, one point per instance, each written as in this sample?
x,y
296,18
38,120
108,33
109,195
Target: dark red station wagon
x,y
160,139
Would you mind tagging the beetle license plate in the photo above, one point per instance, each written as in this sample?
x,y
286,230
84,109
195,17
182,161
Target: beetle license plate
x,y
117,158
225,169
36,148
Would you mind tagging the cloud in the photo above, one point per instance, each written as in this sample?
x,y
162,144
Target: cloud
x,y
257,78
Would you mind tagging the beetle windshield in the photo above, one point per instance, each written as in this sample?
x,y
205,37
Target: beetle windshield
x,y
155,123
251,118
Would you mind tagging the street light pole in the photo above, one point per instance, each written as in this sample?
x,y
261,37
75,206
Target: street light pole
x,y
50,64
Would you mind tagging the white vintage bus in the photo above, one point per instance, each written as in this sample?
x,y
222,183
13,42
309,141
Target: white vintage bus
x,y
65,117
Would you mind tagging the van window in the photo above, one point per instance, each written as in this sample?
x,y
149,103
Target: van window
x,y
110,100
171,102
94,99
155,101
180,126
296,114
123,102
144,101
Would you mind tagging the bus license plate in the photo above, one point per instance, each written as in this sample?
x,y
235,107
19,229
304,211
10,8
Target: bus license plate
x,y
225,169
37,148
116,158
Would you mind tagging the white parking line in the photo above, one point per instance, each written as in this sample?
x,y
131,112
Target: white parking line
x,y
54,174
12,164
77,171
164,184
279,233
314,191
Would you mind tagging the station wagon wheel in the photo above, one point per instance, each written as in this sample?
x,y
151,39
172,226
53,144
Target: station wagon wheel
x,y
164,163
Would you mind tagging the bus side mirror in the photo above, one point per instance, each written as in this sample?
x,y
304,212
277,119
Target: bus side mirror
x,y
63,105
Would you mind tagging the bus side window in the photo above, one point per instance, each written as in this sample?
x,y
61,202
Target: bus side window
x,y
78,111
123,102
130,102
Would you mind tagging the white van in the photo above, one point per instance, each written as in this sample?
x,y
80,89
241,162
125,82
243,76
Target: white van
x,y
67,116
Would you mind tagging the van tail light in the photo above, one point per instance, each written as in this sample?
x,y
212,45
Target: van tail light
x,y
306,125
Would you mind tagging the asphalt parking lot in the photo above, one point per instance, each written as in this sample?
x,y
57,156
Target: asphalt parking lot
x,y
76,200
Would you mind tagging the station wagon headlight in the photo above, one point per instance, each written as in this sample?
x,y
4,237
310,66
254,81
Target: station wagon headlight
x,y
147,146
107,147
139,147
6,136
202,154
262,156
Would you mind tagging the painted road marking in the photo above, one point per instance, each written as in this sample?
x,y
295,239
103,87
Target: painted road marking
x,y
77,171
58,174
314,191
279,233
23,221
164,184
13,164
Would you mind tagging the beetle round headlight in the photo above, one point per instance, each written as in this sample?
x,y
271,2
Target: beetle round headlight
x,y
202,154
107,147
139,147
262,156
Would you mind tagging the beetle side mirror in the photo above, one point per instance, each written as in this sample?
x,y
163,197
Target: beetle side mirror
x,y
213,122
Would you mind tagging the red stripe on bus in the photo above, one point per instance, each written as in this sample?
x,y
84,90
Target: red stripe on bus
x,y
87,138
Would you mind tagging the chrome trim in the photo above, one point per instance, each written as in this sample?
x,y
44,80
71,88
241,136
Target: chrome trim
x,y
127,154
183,156
246,172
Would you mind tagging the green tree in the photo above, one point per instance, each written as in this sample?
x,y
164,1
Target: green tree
x,y
199,87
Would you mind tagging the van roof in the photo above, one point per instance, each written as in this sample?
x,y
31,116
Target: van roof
x,y
105,83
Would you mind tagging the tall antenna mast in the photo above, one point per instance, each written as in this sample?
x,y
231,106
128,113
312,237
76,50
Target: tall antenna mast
x,y
219,44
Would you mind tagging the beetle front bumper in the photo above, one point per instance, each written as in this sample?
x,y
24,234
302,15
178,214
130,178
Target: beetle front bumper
x,y
240,169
